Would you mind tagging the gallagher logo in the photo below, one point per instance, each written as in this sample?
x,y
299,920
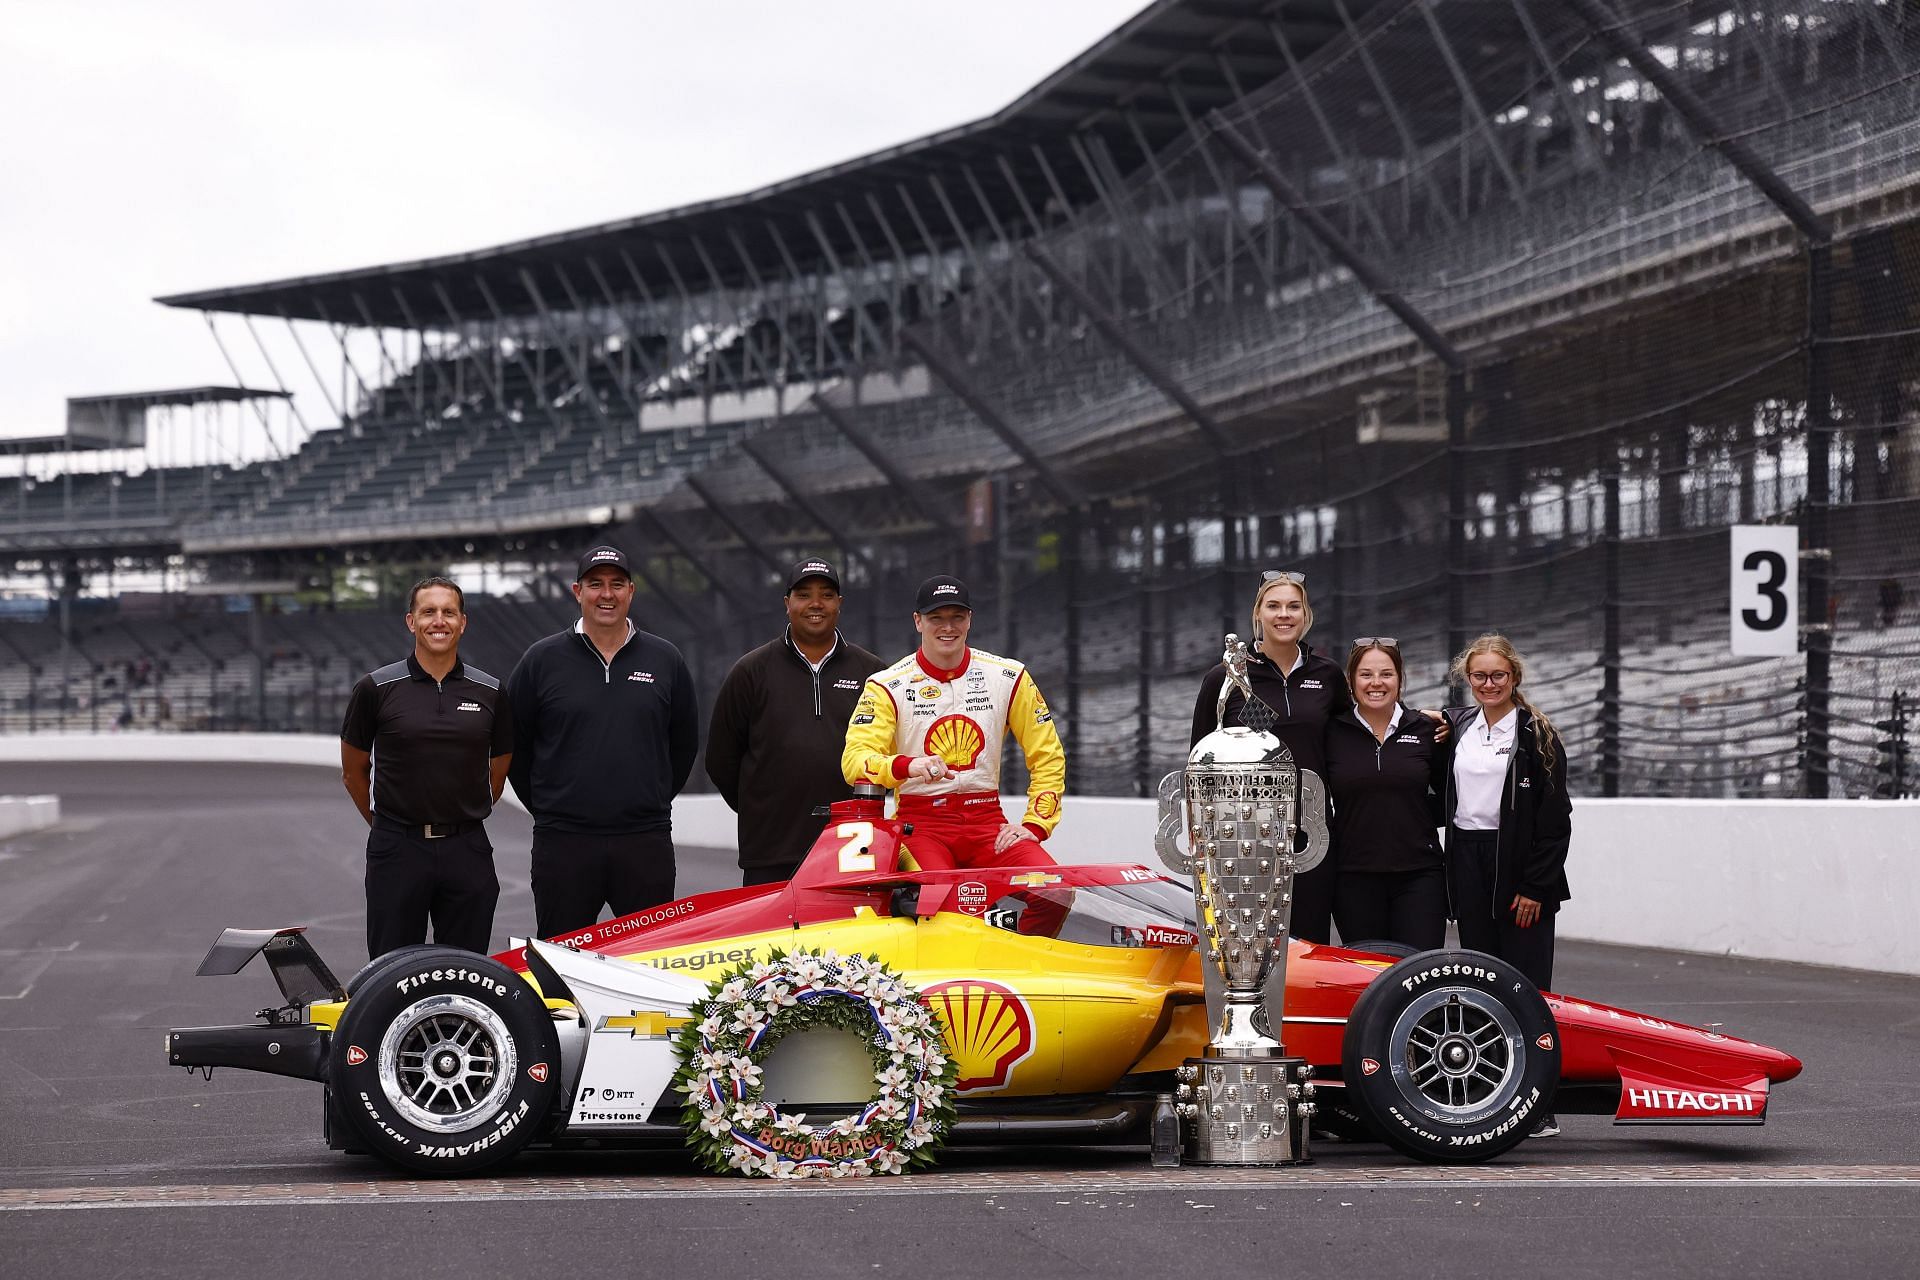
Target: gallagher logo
x,y
989,1030
956,740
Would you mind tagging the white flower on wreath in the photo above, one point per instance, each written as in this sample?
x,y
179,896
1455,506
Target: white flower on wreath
x,y
849,1169
748,1018
805,970
749,1113
844,1126
888,1108
778,995
710,1026
929,1093
712,1061
893,1078
744,1070
793,1124
716,1124
919,1135
740,1156
889,1160
733,992
760,973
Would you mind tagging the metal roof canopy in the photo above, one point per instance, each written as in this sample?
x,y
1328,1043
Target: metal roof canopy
x,y
120,421
1134,87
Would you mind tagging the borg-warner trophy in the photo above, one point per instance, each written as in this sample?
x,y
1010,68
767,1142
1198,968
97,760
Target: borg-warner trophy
x,y
1246,1102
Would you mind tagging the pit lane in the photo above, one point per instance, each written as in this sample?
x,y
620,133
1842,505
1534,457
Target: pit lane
x,y
110,1163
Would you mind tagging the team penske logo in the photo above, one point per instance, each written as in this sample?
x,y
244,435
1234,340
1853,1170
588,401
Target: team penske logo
x,y
956,740
989,1030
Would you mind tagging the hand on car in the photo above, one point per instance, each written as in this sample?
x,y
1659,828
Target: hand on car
x,y
1009,836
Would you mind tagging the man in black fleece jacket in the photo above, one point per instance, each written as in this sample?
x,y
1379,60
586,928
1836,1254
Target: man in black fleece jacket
x,y
605,734
780,724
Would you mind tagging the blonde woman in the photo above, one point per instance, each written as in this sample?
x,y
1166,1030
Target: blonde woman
x,y
1509,819
1301,690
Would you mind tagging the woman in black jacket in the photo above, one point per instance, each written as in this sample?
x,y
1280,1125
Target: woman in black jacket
x,y
1509,819
1384,770
1300,691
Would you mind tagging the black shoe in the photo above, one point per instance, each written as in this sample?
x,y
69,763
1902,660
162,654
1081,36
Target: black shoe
x,y
1548,1127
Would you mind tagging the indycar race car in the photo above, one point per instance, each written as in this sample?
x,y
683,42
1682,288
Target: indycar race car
x,y
1068,997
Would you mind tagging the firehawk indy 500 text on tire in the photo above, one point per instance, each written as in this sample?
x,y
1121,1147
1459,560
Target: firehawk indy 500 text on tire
x,y
445,1062
1451,1056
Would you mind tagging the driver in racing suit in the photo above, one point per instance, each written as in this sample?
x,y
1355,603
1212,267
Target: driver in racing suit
x,y
931,726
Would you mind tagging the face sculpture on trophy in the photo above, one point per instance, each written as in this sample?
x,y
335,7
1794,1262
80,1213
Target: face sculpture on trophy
x,y
1241,801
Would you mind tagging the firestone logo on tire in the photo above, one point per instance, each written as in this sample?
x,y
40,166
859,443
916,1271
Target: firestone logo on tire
x,y
355,1055
1368,1066
1545,1041
537,1073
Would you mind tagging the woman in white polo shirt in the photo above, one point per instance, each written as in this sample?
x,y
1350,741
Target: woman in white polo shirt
x,y
1509,819
1508,815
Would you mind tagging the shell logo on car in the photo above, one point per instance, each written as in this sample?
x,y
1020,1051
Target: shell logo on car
x,y
989,1030
956,740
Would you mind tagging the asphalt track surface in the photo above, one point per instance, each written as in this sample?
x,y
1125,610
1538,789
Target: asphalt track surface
x,y
113,1164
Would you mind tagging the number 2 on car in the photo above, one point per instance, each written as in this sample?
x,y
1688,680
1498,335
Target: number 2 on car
x,y
856,854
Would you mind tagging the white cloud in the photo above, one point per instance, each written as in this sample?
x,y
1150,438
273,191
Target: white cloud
x,y
154,148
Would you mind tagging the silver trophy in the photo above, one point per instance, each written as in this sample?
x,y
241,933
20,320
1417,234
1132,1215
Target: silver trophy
x,y
1245,801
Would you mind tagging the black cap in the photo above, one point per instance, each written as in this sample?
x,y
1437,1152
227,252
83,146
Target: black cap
x,y
812,569
603,557
942,591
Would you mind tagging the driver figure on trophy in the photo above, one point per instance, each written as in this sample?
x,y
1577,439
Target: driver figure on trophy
x,y
1245,1102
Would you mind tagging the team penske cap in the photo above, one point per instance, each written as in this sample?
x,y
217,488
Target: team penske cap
x,y
812,569
603,557
942,591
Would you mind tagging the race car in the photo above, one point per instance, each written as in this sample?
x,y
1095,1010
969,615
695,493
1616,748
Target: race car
x,y
1069,997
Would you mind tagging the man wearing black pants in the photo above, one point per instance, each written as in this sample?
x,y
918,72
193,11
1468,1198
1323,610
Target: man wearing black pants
x,y
424,751
605,734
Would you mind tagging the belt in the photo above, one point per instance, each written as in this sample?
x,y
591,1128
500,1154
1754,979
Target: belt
x,y
426,830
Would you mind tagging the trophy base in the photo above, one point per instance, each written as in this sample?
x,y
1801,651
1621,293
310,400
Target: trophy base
x,y
1246,1111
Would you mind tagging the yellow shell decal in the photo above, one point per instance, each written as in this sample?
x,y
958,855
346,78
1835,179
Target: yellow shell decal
x,y
989,1030
956,740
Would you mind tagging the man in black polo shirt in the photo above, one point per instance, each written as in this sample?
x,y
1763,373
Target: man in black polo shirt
x,y
780,725
424,752
605,734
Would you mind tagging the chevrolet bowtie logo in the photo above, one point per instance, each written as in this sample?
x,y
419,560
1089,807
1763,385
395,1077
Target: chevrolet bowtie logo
x,y
643,1024
1033,879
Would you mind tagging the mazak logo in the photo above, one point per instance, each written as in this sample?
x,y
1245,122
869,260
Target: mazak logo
x,y
644,677
469,706
989,1030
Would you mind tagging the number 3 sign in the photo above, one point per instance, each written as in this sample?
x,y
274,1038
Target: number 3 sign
x,y
1765,607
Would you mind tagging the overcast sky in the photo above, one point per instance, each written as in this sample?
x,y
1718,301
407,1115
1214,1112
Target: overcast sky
x,y
155,147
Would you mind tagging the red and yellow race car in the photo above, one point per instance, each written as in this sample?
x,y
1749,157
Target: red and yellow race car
x,y
1068,996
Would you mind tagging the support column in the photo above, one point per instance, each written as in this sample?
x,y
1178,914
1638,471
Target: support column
x,y
1610,630
1815,548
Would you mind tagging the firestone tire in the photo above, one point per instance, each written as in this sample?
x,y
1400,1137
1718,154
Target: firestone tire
x,y
1451,1057
367,970
445,1062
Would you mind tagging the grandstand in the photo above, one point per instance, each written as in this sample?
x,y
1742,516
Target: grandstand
x,y
1482,313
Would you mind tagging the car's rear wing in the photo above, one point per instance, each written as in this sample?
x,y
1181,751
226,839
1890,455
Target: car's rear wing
x,y
303,976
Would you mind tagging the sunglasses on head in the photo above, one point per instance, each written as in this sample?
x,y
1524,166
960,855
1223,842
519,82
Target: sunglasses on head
x,y
1375,642
1284,575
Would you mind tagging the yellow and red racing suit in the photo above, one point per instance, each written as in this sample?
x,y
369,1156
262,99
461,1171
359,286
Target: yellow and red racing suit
x,y
915,709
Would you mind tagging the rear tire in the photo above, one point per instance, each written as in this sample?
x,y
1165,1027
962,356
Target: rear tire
x,y
1451,1057
445,1062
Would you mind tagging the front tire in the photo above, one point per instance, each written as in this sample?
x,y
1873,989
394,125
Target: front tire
x,y
445,1062
1451,1057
